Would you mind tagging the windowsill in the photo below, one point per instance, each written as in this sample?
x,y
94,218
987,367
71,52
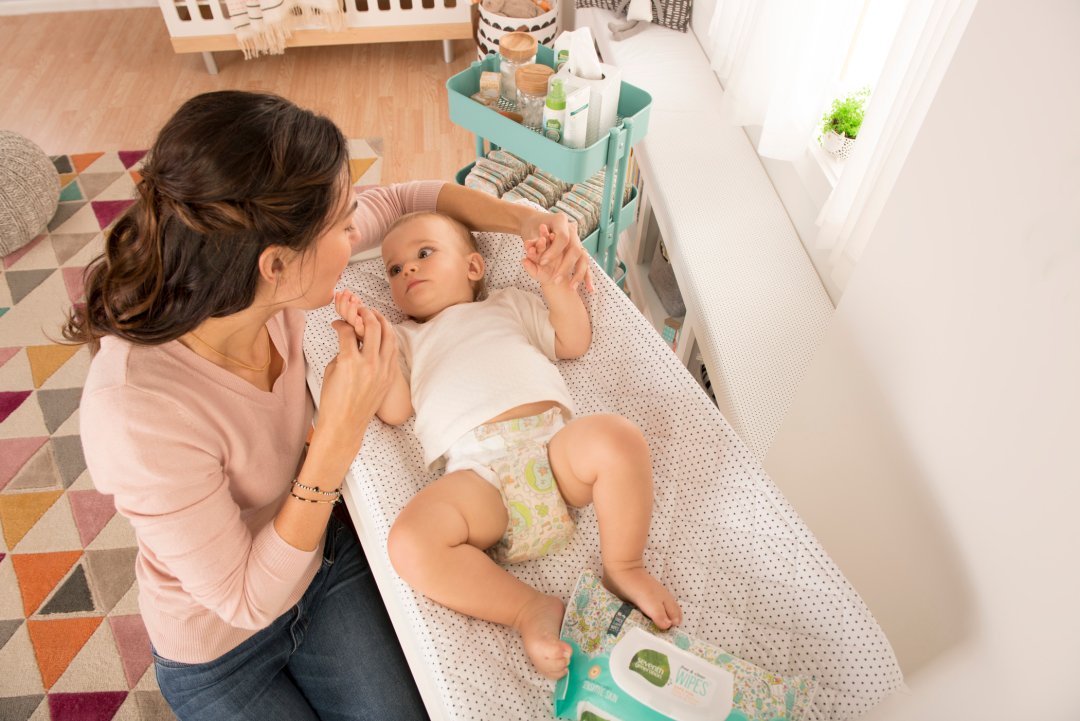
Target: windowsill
x,y
803,186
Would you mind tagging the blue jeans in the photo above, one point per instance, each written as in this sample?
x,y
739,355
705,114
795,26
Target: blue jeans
x,y
333,655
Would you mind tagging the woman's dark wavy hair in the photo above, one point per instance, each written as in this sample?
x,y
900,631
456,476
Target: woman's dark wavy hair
x,y
231,174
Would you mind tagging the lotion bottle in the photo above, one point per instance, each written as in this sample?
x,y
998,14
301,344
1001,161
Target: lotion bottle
x,y
555,111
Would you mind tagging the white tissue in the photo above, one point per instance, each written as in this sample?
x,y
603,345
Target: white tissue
x,y
584,62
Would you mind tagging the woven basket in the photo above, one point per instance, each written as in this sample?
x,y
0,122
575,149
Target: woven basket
x,y
29,191
492,26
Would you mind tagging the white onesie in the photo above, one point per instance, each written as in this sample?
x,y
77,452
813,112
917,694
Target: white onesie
x,y
473,361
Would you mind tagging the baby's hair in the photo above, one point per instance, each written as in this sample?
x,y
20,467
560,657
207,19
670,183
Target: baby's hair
x,y
459,229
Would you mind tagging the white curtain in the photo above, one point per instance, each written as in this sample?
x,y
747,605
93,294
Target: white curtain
x,y
924,45
778,61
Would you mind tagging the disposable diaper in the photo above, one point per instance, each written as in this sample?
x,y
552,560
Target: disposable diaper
x,y
624,668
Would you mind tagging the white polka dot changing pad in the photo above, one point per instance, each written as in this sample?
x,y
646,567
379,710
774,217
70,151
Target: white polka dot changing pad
x,y
749,575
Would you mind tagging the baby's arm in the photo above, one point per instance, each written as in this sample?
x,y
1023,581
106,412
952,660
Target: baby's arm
x,y
569,316
397,407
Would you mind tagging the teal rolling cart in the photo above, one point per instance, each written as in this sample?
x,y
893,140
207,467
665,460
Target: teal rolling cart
x,y
573,166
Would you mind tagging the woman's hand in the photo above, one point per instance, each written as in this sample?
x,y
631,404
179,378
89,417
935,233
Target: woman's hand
x,y
355,382
565,257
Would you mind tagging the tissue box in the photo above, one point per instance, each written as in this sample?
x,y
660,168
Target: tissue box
x,y
603,99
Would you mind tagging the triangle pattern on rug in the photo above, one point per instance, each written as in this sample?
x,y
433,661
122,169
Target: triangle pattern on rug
x,y
56,642
64,213
92,510
66,246
37,474
22,282
7,353
134,645
20,511
73,281
153,707
14,453
89,706
12,258
72,597
10,401
19,708
82,221
130,157
38,574
47,359
6,629
71,192
109,210
58,405
70,461
82,161
112,571
95,183
357,168
62,163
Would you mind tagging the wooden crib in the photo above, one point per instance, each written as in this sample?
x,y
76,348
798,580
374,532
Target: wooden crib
x,y
203,26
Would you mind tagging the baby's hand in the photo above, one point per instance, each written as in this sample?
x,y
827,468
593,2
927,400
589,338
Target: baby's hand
x,y
534,248
348,307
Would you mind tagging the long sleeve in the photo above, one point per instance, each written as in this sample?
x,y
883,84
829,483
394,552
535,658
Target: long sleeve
x,y
380,206
167,480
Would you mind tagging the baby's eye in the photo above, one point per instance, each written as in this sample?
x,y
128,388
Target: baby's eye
x,y
393,270
350,229
424,252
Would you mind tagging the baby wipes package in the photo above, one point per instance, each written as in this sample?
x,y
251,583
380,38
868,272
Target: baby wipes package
x,y
624,668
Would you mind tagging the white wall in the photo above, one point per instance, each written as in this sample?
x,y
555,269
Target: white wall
x,y
934,447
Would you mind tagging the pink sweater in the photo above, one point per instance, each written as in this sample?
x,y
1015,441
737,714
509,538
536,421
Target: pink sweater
x,y
200,461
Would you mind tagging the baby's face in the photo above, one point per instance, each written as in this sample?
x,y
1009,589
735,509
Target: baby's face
x,y
429,267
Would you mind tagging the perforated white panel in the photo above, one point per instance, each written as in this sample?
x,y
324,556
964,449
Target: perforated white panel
x,y
758,309
749,575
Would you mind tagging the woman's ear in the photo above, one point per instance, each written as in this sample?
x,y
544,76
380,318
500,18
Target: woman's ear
x,y
272,264
476,266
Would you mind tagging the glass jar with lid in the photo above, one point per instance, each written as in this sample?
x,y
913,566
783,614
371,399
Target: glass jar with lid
x,y
515,49
532,85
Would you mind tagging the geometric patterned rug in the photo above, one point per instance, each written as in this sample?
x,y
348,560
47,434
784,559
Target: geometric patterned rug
x,y
72,643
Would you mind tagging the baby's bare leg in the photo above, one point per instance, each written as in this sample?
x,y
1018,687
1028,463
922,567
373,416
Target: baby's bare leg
x,y
435,545
605,460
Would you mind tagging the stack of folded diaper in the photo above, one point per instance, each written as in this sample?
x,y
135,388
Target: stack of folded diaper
x,y
507,176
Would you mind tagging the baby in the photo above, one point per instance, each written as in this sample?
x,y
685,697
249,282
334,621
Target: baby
x,y
490,402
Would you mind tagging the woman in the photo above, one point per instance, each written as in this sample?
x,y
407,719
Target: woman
x,y
259,604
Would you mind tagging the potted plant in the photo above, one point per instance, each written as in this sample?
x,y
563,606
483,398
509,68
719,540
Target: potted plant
x,y
840,126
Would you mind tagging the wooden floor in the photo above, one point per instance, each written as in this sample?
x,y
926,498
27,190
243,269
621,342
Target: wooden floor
x,y
108,79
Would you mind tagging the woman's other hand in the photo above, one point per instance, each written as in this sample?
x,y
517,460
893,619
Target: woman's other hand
x,y
565,256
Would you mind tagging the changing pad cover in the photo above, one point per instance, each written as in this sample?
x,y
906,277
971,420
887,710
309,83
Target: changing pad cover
x,y
749,575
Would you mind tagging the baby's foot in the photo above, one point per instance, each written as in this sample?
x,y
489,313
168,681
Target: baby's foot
x,y
634,584
538,623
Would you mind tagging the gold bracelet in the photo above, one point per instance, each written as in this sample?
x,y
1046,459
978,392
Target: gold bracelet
x,y
316,489
313,500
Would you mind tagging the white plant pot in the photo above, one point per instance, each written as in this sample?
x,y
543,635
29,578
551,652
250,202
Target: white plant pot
x,y
839,145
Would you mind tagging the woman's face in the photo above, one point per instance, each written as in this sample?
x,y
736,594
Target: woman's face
x,y
319,268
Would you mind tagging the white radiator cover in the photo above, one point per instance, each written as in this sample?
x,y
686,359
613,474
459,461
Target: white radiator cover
x,y
755,304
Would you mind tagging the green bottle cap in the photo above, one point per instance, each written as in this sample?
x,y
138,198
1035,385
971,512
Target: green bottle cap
x,y
556,97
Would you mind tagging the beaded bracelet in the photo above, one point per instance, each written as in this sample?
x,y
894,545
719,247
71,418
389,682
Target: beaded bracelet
x,y
314,500
316,489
